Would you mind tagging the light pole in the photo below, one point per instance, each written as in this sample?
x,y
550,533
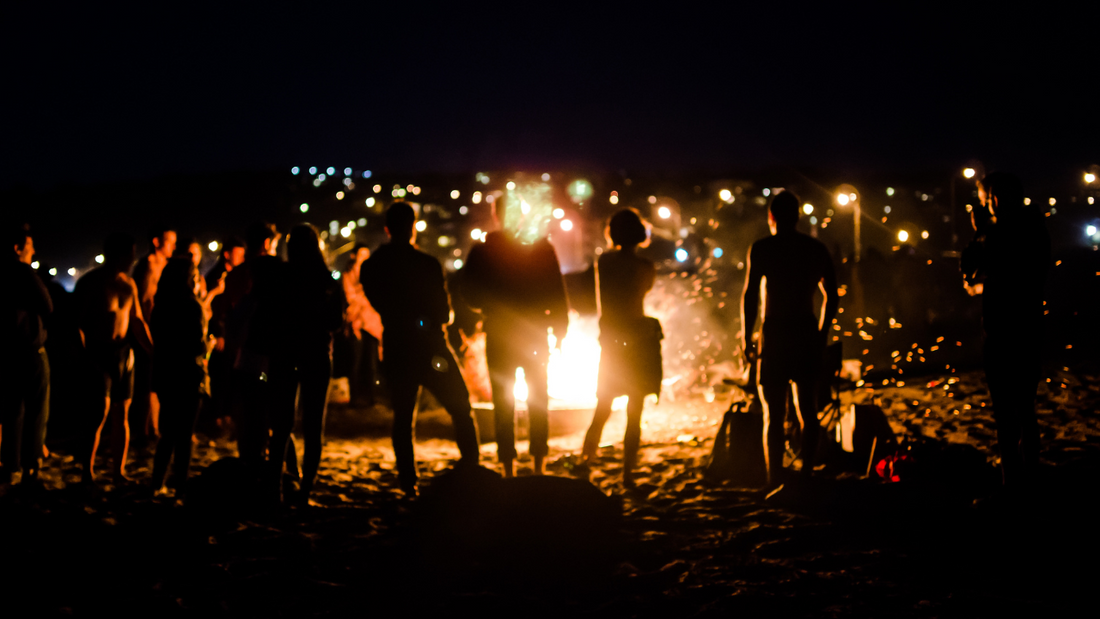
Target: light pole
x,y
846,195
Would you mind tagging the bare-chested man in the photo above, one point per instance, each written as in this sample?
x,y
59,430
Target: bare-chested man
x,y
162,244
792,267
109,314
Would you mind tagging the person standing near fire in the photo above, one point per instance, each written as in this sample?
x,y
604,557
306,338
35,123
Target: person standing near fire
x,y
790,267
514,279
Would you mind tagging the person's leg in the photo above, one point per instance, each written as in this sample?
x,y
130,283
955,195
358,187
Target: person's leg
x,y
283,381
316,374
120,437
168,438
502,379
773,397
183,428
595,431
447,385
538,408
632,440
37,414
404,392
805,407
11,433
89,463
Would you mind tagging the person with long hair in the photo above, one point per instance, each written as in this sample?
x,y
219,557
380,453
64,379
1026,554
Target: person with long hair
x,y
630,361
302,365
179,326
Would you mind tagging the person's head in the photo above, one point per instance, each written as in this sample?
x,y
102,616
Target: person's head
x,y
1002,195
626,229
401,222
163,241
358,255
24,244
783,212
263,239
233,252
194,248
178,280
303,247
119,251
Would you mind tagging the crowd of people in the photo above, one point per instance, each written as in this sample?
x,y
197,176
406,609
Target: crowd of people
x,y
253,341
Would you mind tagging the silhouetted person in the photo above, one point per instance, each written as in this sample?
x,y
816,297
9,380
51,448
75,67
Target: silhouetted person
x,y
220,366
407,288
1010,276
26,403
362,331
519,289
630,358
792,341
301,366
162,245
248,333
179,328
110,320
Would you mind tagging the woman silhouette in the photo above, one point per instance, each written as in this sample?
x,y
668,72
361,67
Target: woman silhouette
x,y
630,363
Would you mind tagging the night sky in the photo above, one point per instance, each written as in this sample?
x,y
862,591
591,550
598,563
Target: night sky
x,y
98,94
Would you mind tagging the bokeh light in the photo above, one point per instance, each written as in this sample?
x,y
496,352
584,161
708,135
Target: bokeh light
x,y
566,225
903,236
421,225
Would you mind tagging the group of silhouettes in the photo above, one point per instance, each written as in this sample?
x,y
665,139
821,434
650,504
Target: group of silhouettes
x,y
254,339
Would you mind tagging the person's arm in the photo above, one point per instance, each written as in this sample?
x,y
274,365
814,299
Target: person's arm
x,y
440,299
750,302
828,287
144,338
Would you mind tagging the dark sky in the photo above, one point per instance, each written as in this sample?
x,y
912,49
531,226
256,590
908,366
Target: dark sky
x,y
165,88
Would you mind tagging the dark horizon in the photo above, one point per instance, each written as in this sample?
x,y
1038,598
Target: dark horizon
x,y
138,95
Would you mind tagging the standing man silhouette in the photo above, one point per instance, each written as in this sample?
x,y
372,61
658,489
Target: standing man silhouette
x,y
515,280
1010,276
407,288
790,267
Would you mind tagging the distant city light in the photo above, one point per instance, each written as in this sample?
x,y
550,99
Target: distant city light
x,y
681,255
421,225
1027,201
510,186
767,192
1089,177
614,199
890,191
1052,201
455,194
351,225
903,236
331,170
652,199
336,274
213,246
842,199
545,176
969,172
72,271
458,263
347,171
924,234
444,241
35,265
725,195
580,190
53,271
718,252
566,225
416,191
294,170
475,234
345,232
377,189
1089,230
339,195
370,201
366,173
559,213
886,209
99,258
813,221
362,222
476,198
347,183
462,210
304,207
664,212
807,208
321,177
313,170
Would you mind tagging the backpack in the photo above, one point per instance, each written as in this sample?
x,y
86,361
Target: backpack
x,y
738,453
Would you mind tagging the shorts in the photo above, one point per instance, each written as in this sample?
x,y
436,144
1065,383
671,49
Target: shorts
x,y
115,367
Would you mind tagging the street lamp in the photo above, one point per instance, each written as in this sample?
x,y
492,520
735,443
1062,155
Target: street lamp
x,y
847,195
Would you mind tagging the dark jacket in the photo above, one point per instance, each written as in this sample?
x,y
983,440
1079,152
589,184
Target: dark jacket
x,y
27,302
407,289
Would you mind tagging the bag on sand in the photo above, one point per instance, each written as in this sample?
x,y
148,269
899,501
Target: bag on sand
x,y
738,454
